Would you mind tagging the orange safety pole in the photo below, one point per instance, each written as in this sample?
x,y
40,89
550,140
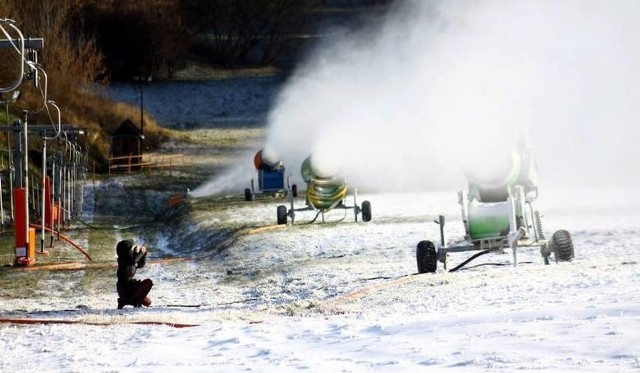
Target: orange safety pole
x,y
24,246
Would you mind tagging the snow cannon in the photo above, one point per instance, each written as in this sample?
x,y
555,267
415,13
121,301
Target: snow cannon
x,y
325,192
271,177
490,187
498,214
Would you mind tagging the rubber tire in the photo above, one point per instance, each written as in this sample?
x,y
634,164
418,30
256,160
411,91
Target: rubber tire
x,y
282,214
562,246
248,196
294,191
366,211
426,257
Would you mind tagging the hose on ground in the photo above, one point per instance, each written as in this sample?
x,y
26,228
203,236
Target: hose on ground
x,y
469,260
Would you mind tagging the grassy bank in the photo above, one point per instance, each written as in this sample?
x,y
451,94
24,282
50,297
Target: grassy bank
x,y
138,204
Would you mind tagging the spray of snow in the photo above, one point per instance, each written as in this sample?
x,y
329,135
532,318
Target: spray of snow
x,y
407,102
229,181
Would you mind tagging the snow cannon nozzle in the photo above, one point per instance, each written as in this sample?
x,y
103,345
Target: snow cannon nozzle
x,y
266,160
496,173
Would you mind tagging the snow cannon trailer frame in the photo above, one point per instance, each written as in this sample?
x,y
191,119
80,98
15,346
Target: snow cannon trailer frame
x,y
494,227
284,214
271,182
324,193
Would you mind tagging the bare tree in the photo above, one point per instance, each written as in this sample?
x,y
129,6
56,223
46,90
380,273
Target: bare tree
x,y
71,59
288,20
242,32
171,36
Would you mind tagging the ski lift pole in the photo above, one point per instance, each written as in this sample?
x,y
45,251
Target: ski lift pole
x,y
84,178
26,176
44,173
72,183
11,182
75,183
34,193
64,195
10,173
67,198
70,208
79,182
9,131
63,182
6,101
31,60
54,210
57,189
1,206
74,191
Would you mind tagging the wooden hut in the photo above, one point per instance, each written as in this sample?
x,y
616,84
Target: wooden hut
x,y
126,148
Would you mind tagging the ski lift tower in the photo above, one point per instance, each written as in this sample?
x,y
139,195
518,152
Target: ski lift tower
x,y
28,69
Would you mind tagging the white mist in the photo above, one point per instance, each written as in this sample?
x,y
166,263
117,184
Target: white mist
x,y
405,103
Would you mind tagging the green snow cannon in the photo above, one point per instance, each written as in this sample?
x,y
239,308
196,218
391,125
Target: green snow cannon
x,y
323,192
488,208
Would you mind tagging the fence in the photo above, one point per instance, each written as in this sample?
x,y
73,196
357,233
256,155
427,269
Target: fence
x,y
137,162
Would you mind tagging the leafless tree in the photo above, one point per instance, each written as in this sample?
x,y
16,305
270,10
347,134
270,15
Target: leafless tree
x,y
241,32
71,59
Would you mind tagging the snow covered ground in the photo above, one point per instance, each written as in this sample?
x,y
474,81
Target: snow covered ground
x,y
188,104
338,297
341,296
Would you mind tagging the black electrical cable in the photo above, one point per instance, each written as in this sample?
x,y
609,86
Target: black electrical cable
x,y
468,260
314,219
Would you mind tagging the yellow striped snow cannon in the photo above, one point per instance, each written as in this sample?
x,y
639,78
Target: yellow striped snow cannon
x,y
271,178
324,193
498,214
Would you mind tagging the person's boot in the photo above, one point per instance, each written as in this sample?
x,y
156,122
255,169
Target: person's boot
x,y
121,303
146,302
140,298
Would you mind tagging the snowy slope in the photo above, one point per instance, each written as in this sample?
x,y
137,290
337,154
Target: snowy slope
x,y
341,296
337,297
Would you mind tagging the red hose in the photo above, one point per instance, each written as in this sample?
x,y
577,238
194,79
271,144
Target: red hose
x,y
62,321
83,251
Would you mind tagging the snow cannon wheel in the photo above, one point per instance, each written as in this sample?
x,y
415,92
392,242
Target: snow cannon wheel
x,y
248,196
366,211
562,246
294,191
282,214
427,257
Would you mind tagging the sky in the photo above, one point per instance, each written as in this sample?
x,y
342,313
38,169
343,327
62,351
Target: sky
x,y
412,99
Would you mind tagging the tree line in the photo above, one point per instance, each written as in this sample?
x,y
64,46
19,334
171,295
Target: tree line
x,y
89,41
125,38
120,39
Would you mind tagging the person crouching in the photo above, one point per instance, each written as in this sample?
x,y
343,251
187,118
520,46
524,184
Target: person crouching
x,y
131,291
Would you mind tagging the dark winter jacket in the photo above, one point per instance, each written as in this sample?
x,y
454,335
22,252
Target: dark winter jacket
x,y
130,258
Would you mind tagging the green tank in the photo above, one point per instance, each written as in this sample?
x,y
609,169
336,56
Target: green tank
x,y
488,220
